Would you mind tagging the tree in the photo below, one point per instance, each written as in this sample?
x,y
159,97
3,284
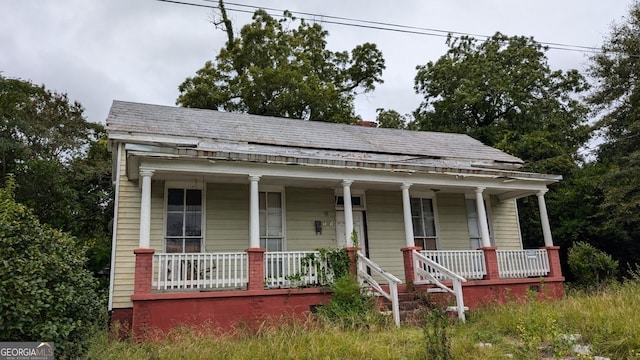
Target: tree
x,y
47,293
274,70
59,161
502,92
616,99
390,119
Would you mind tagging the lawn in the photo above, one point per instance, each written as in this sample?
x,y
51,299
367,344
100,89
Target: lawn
x,y
607,320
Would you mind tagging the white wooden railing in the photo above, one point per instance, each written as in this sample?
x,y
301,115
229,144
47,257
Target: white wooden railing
x,y
367,269
522,263
427,271
285,269
467,263
179,271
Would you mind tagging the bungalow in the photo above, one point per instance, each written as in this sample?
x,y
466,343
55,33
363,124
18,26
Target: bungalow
x,y
215,213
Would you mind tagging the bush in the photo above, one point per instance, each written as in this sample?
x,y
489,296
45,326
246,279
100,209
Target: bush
x,y
591,266
348,305
46,293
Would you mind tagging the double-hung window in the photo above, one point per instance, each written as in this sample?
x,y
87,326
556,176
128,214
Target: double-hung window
x,y
183,233
424,223
271,229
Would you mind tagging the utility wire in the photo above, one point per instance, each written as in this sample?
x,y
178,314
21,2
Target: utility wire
x,y
374,25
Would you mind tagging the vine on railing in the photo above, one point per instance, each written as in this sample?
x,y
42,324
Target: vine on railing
x,y
330,264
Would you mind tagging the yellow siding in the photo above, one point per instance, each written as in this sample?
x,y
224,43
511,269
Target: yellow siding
x,y
505,224
452,221
127,238
385,230
303,207
227,212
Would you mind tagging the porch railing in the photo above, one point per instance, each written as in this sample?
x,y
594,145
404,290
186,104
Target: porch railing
x,y
179,271
367,268
467,263
428,271
285,269
522,263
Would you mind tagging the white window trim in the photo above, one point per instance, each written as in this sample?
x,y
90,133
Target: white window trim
x,y
434,203
354,193
195,184
283,201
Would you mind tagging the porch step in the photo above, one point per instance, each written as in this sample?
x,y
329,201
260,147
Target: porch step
x,y
436,290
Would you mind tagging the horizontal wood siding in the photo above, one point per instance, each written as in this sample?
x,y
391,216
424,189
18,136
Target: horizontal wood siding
x,y
385,230
303,207
505,224
127,238
227,214
452,222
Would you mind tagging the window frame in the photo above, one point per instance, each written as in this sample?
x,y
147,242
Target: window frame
x,y
270,189
196,184
434,207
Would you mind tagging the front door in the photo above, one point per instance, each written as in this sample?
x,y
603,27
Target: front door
x,y
358,226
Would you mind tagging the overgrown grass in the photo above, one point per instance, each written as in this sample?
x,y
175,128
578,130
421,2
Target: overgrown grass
x,y
608,320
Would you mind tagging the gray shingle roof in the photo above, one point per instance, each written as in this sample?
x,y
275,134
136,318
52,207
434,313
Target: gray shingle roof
x,y
136,119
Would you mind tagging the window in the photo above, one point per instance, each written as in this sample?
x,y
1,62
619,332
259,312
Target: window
x,y
424,223
475,235
271,234
183,231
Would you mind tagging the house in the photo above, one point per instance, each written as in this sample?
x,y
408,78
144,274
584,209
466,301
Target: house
x,y
215,211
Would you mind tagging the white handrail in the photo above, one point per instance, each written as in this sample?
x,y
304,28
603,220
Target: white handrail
x,y
284,269
522,263
363,264
424,274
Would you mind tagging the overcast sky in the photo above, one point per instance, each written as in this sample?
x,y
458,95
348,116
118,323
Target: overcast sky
x,y
141,50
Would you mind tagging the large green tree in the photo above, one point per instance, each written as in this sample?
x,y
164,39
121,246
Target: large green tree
x,y
275,69
59,160
616,101
503,92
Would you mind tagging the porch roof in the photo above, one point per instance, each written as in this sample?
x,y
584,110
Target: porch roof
x,y
177,131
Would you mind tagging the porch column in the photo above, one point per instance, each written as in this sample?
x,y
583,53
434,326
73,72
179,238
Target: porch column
x,y
482,218
254,212
348,212
544,219
145,208
408,221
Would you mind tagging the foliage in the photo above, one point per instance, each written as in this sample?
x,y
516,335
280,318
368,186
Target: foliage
x,y
275,69
329,264
349,305
47,293
437,334
616,104
503,93
390,119
591,266
60,163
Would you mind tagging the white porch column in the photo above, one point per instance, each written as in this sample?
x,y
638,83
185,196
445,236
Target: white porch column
x,y
406,210
254,212
544,219
482,218
145,208
348,212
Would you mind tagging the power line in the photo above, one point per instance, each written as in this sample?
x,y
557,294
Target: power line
x,y
375,25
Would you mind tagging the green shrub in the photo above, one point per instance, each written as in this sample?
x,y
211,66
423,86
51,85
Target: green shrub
x,y
591,266
349,306
437,334
46,292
